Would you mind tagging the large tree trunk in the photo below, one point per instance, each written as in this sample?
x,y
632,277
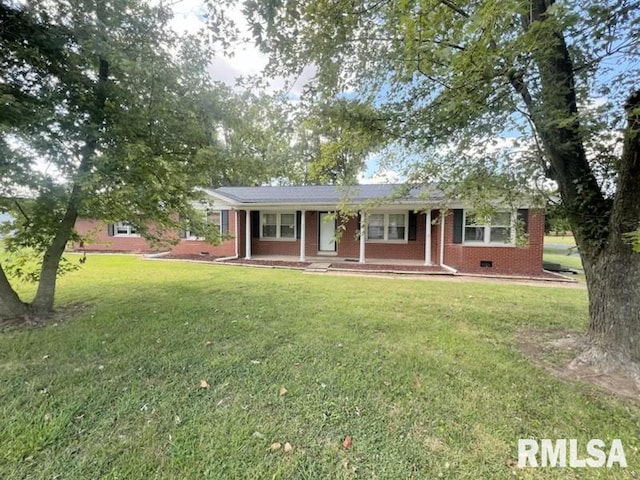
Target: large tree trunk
x,y
613,281
599,223
613,275
43,301
10,304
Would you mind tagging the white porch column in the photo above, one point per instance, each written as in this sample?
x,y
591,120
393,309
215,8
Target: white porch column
x,y
303,235
236,229
427,240
362,236
441,237
247,235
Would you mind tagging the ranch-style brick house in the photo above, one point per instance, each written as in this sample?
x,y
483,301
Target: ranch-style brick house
x,y
300,224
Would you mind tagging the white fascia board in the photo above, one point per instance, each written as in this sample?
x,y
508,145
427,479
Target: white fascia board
x,y
324,207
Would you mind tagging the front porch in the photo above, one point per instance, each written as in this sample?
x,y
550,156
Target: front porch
x,y
400,237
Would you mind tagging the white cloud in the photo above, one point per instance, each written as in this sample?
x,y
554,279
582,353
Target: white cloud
x,y
246,60
380,177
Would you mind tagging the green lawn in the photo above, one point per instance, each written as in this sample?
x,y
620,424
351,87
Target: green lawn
x,y
423,375
559,255
570,261
560,240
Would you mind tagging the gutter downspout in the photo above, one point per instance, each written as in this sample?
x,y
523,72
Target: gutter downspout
x,y
442,264
233,257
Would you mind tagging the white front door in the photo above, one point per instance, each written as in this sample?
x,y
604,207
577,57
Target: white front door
x,y
327,233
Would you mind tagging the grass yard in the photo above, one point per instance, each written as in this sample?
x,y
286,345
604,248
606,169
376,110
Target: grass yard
x,y
567,240
559,255
570,261
176,370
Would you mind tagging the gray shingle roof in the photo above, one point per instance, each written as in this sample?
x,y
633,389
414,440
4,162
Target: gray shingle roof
x,y
327,194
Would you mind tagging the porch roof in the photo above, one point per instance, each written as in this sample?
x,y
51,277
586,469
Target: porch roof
x,y
329,194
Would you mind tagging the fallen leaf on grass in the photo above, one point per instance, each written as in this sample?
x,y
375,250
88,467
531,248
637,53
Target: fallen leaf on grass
x,y
347,442
283,391
288,448
275,446
204,384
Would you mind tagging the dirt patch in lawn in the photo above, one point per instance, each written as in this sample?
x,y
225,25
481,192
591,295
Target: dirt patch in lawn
x,y
556,351
31,320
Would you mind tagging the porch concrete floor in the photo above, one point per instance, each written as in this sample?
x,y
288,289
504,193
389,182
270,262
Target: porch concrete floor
x,y
331,259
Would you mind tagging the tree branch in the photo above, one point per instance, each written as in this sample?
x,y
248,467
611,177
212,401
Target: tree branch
x,y
24,214
626,208
455,8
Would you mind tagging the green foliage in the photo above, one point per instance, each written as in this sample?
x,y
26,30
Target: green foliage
x,y
118,118
23,264
452,78
634,239
348,131
556,219
107,113
251,139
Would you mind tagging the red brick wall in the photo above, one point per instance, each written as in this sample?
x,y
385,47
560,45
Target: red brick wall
x,y
275,247
99,241
508,260
196,247
349,245
311,243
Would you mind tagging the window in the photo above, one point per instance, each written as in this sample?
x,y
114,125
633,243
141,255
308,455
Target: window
x,y
497,229
287,225
384,227
211,217
375,227
124,229
396,226
278,225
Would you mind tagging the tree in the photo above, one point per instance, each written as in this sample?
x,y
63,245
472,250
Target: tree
x,y
449,73
99,119
347,131
251,138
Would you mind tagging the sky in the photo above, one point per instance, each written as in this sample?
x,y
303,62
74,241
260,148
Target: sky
x,y
247,60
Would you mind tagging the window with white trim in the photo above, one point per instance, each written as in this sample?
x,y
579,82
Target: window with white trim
x,y
498,229
124,229
211,217
387,227
278,225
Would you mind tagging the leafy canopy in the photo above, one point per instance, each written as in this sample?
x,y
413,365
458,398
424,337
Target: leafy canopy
x,y
449,75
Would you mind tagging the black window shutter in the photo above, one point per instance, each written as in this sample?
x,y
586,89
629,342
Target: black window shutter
x,y
224,228
255,224
111,230
523,216
182,233
413,225
457,225
298,223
